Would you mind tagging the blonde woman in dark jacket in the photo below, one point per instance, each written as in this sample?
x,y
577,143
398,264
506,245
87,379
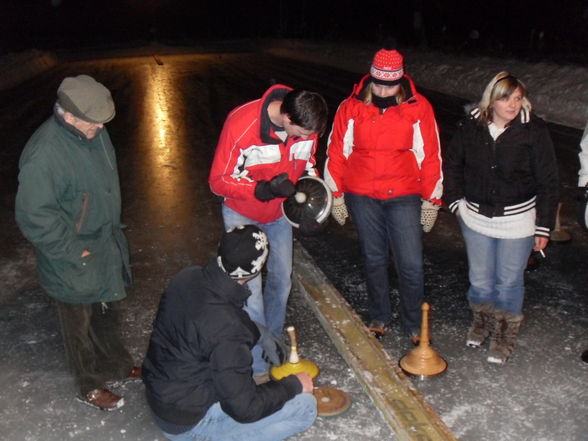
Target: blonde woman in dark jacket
x,y
501,181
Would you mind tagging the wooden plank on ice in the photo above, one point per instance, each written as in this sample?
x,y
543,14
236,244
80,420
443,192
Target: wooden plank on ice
x,y
401,405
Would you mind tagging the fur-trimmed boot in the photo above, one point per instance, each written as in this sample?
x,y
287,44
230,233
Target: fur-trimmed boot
x,y
506,328
482,324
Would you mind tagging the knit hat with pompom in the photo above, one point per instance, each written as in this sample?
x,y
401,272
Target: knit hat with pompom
x,y
387,67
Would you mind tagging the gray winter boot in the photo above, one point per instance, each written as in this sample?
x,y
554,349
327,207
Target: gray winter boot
x,y
506,329
481,325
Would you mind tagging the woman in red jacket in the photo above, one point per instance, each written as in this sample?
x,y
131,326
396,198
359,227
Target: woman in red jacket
x,y
384,163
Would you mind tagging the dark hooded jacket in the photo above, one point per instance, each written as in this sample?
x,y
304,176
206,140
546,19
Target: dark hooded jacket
x,y
200,354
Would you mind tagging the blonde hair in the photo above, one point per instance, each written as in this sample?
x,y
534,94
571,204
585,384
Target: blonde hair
x,y
367,98
502,85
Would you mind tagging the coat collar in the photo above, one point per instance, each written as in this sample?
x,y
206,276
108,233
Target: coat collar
x,y
359,90
72,130
225,287
274,93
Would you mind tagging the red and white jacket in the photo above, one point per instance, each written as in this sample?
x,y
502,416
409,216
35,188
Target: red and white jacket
x,y
385,155
249,151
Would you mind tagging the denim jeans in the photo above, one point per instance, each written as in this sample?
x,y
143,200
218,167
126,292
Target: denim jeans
x,y
297,415
497,269
268,309
391,225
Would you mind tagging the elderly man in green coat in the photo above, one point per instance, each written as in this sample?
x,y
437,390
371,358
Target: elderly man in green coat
x,y
68,205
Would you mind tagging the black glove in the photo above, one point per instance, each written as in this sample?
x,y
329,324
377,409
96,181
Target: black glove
x,y
310,227
278,187
582,206
274,349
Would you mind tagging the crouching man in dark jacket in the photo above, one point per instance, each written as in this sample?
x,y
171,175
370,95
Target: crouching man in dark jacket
x,y
197,371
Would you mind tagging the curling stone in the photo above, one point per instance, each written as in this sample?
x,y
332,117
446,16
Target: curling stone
x,y
331,401
559,235
295,364
313,200
423,360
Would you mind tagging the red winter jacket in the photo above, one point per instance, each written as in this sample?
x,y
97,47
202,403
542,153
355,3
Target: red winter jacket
x,y
385,155
249,151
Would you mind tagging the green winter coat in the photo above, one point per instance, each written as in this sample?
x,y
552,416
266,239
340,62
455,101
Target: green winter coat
x,y
68,201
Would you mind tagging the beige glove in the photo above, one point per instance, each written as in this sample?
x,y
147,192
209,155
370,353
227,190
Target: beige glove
x,y
429,213
339,210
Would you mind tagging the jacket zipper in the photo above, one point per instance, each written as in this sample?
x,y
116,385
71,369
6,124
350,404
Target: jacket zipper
x,y
105,153
83,211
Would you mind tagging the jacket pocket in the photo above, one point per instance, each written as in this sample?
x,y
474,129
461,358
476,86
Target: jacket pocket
x,y
85,278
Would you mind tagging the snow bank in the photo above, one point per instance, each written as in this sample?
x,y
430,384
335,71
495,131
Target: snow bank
x,y
559,93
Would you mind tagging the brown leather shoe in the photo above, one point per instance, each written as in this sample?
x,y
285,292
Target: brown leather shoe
x,y
103,399
136,373
377,328
416,340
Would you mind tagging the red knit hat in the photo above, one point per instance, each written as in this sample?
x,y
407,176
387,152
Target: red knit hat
x,y
387,67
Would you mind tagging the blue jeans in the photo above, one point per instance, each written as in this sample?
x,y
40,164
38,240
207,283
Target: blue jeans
x,y
497,269
297,415
391,225
268,309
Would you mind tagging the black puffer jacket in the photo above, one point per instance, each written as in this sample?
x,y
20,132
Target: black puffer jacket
x,y
520,164
200,353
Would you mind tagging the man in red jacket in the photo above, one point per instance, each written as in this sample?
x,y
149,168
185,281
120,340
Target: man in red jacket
x,y
265,146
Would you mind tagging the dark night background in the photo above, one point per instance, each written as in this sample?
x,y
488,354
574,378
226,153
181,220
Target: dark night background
x,y
170,111
522,28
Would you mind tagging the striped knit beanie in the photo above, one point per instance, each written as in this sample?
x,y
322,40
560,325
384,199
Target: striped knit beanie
x,y
387,67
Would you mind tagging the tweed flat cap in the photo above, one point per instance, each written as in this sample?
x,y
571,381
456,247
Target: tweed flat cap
x,y
86,99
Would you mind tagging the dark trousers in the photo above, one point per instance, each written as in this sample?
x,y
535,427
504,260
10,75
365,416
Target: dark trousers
x,y
93,347
384,226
